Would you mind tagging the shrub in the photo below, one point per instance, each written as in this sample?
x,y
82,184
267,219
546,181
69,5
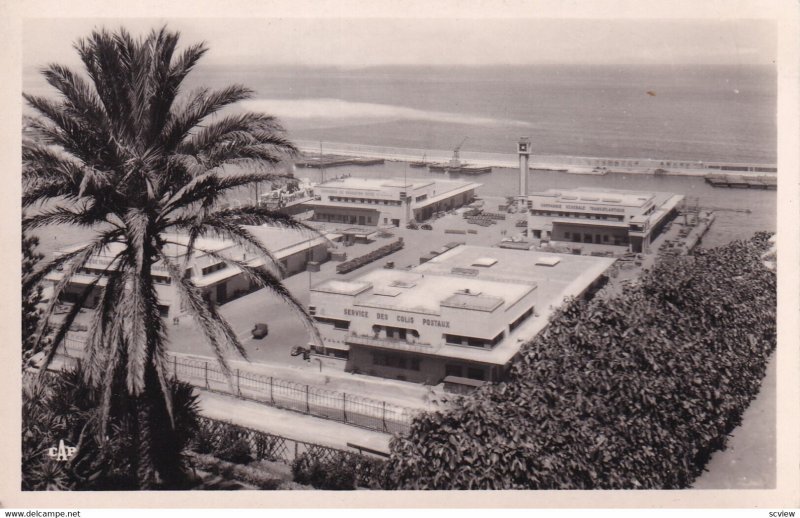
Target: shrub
x,y
632,392
234,471
339,471
223,441
64,408
334,474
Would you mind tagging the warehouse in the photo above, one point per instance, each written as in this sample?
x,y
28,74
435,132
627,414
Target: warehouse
x,y
378,202
463,315
219,282
601,216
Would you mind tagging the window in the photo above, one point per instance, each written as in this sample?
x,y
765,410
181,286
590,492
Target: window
x,y
453,370
335,322
476,373
213,268
396,361
567,235
474,342
516,323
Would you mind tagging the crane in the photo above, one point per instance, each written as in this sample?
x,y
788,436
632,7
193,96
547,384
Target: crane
x,y
455,161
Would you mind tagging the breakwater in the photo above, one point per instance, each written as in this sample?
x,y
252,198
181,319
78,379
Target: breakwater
x,y
565,163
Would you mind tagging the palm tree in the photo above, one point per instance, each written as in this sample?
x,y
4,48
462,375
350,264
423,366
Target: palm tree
x,y
123,153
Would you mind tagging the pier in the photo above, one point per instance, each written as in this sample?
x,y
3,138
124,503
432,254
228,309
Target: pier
x,y
551,162
742,181
323,161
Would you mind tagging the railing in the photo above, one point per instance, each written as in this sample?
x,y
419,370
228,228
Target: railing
x,y
267,446
307,399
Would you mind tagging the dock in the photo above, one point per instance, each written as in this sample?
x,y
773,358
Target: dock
x,y
319,162
741,181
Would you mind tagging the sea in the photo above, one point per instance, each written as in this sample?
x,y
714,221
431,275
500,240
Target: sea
x,y
709,113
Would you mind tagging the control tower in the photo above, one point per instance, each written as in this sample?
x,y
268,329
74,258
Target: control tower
x,y
524,152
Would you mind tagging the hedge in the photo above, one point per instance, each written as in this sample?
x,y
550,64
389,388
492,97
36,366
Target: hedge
x,y
342,471
636,391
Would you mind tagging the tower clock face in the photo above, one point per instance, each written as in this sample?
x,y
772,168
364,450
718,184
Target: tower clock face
x,y
523,147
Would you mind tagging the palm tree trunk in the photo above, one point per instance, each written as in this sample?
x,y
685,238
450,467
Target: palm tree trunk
x,y
161,460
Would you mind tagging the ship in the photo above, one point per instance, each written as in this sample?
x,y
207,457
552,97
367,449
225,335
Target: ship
x,y
280,199
419,163
455,165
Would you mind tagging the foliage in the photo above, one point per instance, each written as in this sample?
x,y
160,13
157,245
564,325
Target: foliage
x,y
122,151
243,453
65,408
340,471
230,470
223,441
31,298
632,392
335,474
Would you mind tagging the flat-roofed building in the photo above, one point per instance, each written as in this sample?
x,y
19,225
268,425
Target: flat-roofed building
x,y
600,216
463,314
396,201
219,282
293,249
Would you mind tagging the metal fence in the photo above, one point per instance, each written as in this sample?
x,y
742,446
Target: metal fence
x,y
268,446
338,406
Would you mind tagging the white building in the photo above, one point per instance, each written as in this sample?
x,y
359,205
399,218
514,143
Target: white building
x,y
463,314
219,282
600,216
373,201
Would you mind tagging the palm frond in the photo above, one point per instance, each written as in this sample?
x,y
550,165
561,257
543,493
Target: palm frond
x,y
144,332
93,247
79,97
202,104
62,330
100,330
244,129
78,261
229,230
76,136
205,314
84,216
247,215
263,278
212,186
258,215
47,175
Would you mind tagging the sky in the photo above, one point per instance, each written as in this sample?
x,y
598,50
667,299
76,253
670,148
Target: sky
x,y
353,42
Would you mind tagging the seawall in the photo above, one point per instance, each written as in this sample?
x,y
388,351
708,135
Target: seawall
x,y
565,163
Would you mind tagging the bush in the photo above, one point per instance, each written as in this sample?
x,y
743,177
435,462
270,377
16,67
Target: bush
x,y
223,441
234,471
64,408
633,392
335,474
341,471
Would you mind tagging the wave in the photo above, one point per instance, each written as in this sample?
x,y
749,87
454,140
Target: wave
x,y
339,109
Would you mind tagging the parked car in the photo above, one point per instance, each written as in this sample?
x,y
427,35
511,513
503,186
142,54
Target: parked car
x,y
412,226
260,330
78,327
426,226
